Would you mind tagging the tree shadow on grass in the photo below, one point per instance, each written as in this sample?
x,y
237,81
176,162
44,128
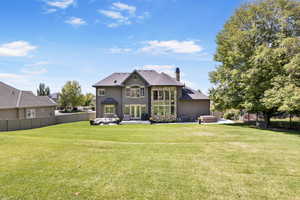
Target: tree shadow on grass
x,y
273,129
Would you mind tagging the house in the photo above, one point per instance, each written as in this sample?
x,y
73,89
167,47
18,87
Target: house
x,y
17,104
55,97
148,93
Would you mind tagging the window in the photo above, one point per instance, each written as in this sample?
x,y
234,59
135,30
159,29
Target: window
x,y
30,113
109,109
143,109
155,95
167,95
142,91
135,110
127,92
101,92
127,110
161,95
135,92
172,95
164,102
172,110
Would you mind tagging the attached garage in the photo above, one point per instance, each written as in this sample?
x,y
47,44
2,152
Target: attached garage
x,y
193,104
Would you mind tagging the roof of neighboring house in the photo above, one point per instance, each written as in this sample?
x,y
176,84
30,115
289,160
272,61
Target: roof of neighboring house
x,y
54,95
190,94
11,97
153,78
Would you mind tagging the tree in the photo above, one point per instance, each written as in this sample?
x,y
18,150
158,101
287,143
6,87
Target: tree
x,y
88,99
43,90
71,95
256,50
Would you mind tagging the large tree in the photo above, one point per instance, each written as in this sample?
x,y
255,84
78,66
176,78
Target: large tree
x,y
71,95
258,51
43,90
88,99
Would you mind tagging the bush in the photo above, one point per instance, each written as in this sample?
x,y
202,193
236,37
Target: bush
x,y
145,116
232,114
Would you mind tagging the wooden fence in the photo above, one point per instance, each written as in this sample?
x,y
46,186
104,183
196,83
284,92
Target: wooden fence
x,y
13,125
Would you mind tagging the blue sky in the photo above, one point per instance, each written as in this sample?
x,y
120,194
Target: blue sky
x,y
53,41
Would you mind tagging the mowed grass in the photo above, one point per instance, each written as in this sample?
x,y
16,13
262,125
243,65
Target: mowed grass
x,y
77,161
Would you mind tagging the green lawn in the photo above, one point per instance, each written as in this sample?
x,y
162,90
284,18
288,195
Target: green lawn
x,y
76,161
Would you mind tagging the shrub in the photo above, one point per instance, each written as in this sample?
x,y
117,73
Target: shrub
x,y
232,114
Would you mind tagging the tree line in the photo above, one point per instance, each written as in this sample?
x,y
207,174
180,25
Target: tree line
x,y
70,96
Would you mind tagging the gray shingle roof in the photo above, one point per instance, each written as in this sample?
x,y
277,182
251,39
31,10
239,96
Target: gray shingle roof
x,y
13,98
190,94
115,79
152,77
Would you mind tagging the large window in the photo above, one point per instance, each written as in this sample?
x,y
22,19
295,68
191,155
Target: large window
x,y
109,109
30,113
135,92
164,102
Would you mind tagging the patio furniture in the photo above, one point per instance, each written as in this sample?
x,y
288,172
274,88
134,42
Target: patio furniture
x,y
99,121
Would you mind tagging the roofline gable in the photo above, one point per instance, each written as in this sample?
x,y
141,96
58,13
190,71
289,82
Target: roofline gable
x,y
135,71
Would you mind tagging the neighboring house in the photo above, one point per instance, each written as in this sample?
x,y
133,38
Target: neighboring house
x,y
54,97
131,96
16,104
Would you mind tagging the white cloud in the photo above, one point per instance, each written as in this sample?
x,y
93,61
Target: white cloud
x,y
113,25
10,76
172,46
50,10
123,6
122,14
75,21
159,67
168,69
62,4
117,16
20,81
40,63
16,48
34,71
145,15
112,14
119,50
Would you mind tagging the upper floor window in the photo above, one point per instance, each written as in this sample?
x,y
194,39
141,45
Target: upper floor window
x,y
163,94
135,92
101,92
142,91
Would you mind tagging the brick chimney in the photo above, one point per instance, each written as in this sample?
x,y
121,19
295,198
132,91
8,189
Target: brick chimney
x,y
177,74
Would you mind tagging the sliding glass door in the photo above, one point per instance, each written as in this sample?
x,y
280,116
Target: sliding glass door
x,y
135,110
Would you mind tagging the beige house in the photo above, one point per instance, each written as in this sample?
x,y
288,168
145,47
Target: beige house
x,y
17,104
